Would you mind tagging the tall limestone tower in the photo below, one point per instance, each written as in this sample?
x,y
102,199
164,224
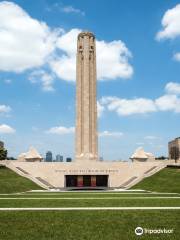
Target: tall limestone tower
x,y
86,105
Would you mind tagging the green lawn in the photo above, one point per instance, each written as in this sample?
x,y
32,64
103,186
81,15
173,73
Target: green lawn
x,y
86,225
103,202
10,182
167,180
86,195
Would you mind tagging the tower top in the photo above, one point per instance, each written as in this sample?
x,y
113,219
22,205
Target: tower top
x,y
86,33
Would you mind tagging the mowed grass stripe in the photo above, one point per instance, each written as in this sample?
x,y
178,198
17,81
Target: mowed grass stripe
x,y
88,198
90,203
89,208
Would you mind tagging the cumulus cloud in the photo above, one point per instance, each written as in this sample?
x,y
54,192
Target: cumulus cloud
x,y
71,9
65,64
176,57
168,103
170,24
61,130
64,8
110,134
126,107
5,129
44,78
100,109
8,81
140,143
4,109
112,58
150,137
173,88
25,42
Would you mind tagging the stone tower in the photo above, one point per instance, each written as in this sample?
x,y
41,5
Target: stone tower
x,y
86,105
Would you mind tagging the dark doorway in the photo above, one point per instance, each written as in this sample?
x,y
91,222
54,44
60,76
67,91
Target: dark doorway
x,y
87,181
101,180
71,181
84,181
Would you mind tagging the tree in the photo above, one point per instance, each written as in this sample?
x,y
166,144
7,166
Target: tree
x,y
175,154
161,158
3,153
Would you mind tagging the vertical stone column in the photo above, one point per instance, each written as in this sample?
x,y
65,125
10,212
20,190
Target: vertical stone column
x,y
86,105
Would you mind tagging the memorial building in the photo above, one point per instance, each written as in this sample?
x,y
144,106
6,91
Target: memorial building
x,y
86,170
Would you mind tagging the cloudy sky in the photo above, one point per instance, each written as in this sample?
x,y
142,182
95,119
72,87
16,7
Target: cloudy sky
x,y
138,74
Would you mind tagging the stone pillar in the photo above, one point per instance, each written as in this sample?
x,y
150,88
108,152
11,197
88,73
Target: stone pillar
x,y
86,105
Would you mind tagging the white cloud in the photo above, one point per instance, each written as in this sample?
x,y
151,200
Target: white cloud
x,y
71,9
176,57
112,58
140,143
66,9
44,78
173,88
151,137
4,109
24,42
5,129
8,81
168,103
61,130
100,109
170,23
126,107
65,65
110,134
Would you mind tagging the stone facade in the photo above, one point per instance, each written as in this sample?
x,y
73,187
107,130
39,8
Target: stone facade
x,y
174,149
141,156
31,156
86,105
120,174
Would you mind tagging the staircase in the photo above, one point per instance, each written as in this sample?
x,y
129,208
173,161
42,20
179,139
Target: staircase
x,y
38,180
135,179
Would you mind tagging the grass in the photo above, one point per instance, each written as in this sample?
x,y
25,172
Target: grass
x,y
121,202
167,180
89,225
99,225
10,182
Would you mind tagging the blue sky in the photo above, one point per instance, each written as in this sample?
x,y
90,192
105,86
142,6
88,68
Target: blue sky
x,y
138,62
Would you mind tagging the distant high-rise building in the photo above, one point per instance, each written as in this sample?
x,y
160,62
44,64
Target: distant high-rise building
x,y
101,159
174,149
68,159
49,156
1,144
59,158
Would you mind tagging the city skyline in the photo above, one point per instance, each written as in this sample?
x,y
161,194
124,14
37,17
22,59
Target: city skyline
x,y
138,86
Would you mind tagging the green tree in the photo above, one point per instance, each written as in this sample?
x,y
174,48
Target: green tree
x,y
175,153
3,153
